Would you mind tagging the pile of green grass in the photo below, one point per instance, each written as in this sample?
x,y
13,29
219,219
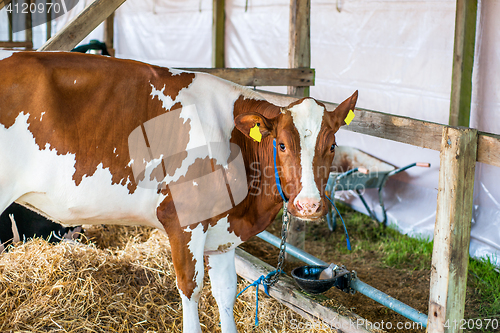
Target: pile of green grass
x,y
401,251
395,249
486,278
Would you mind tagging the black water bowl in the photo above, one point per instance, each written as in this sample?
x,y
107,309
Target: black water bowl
x,y
307,277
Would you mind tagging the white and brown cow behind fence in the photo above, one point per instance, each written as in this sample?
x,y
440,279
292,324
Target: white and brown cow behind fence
x,y
101,140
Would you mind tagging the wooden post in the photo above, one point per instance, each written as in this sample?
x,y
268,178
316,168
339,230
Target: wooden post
x,y
299,56
450,255
299,44
48,25
109,33
11,21
463,61
28,24
218,34
81,26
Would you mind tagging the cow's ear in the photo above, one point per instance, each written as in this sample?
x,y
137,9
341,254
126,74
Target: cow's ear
x,y
344,113
254,125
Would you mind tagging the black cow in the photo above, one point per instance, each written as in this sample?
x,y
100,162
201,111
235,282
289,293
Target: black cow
x,y
18,223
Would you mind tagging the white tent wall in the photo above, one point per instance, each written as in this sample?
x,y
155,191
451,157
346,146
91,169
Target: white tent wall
x,y
485,116
39,32
257,35
397,53
172,33
175,33
4,26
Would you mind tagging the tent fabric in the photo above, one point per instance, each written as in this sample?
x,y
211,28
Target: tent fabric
x,y
397,53
166,33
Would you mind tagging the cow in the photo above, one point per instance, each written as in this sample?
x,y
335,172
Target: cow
x,y
91,139
19,224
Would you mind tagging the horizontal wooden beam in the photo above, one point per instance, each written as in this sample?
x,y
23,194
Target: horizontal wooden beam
x,y
83,24
27,44
299,41
396,128
403,129
262,76
290,295
488,148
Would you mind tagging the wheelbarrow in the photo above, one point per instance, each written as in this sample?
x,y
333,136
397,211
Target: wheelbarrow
x,y
355,170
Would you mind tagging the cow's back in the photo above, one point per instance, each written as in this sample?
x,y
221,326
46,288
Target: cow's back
x,y
83,105
65,124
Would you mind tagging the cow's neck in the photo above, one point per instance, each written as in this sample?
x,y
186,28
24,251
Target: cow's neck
x,y
263,201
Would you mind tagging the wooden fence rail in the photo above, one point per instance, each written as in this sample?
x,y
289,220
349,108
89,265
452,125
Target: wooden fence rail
x,y
415,132
262,76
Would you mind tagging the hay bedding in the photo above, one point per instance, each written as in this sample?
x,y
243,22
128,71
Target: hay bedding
x,y
120,279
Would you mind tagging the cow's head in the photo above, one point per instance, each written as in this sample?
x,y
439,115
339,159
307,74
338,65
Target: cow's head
x,y
305,140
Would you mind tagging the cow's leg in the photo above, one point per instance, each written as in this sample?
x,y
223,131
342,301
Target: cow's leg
x,y
187,245
190,318
187,256
222,274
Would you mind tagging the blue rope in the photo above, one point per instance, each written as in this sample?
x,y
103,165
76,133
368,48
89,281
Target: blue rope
x,y
261,280
343,223
276,176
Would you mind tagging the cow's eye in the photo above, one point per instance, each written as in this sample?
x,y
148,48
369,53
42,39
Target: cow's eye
x,y
332,148
282,147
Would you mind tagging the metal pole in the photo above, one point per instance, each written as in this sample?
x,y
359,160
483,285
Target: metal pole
x,y
356,284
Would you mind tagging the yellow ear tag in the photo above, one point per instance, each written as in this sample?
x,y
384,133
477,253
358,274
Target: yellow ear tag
x,y
349,118
255,133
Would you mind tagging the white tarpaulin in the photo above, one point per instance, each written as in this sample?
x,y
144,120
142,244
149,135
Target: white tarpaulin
x,y
397,53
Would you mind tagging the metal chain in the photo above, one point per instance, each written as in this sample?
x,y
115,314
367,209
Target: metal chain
x,y
281,258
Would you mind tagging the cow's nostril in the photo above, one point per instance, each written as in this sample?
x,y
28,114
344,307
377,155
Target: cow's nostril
x,y
307,206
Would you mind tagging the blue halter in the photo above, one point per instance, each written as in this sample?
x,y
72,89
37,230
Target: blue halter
x,y
276,176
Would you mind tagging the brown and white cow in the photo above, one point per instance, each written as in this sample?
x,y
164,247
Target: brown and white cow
x,y
92,139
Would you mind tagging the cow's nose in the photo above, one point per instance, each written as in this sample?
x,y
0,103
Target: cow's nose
x,y
307,206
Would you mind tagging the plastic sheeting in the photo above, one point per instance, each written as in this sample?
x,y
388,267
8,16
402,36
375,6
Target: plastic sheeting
x,y
173,33
485,116
397,53
39,32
